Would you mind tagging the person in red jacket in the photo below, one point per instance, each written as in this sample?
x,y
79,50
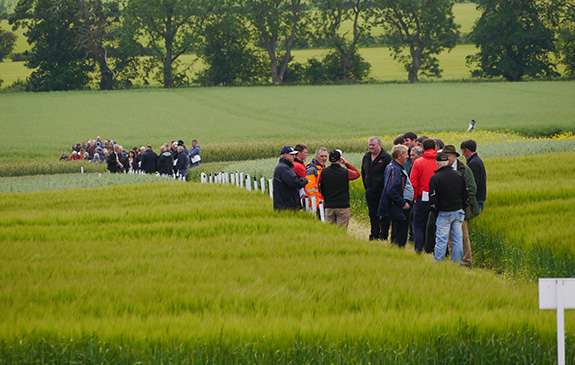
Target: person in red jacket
x,y
299,160
421,172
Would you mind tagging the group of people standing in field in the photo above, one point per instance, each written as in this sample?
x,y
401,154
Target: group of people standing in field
x,y
174,158
421,190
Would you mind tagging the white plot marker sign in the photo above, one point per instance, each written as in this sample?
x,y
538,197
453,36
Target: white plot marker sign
x,y
558,294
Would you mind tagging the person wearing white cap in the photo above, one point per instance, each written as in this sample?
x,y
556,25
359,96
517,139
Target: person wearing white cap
x,y
286,182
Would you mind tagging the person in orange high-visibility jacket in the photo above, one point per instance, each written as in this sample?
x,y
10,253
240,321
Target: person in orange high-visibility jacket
x,y
313,170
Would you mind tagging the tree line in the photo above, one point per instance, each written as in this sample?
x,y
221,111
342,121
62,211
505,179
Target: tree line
x,y
242,42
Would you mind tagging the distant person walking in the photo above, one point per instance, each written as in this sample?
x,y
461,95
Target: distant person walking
x,y
287,183
334,186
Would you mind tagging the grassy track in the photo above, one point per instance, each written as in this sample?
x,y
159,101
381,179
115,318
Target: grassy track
x,y
46,123
155,267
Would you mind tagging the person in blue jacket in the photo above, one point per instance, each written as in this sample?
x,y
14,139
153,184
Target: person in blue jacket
x,y
397,195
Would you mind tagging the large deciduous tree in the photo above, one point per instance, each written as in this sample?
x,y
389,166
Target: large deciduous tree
x,y
563,19
7,43
424,27
96,35
331,14
228,53
276,22
170,28
514,40
52,29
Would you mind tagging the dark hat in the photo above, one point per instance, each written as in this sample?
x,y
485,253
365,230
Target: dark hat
x,y
288,149
334,156
441,157
180,143
450,149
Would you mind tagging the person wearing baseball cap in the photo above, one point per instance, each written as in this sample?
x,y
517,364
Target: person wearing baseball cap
x,y
287,183
333,184
448,197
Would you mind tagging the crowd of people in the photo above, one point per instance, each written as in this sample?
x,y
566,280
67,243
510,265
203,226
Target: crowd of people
x,y
419,192
173,158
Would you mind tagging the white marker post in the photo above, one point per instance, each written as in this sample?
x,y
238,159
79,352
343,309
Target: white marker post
x,y
271,188
558,294
263,185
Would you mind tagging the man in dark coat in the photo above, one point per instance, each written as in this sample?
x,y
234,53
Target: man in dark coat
x,y
149,161
372,171
469,150
448,196
165,162
286,183
116,160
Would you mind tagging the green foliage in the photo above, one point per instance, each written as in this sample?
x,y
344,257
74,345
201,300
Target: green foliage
x,y
276,24
422,28
331,68
513,40
227,54
56,56
169,28
7,43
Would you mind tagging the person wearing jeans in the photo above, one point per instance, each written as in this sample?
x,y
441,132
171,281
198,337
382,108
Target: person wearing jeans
x,y
448,196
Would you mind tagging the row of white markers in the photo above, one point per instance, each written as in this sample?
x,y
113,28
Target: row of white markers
x,y
245,181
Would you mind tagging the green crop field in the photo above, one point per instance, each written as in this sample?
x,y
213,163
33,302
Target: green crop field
x,y
127,268
190,272
39,126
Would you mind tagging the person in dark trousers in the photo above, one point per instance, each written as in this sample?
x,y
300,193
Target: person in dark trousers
x,y
286,184
372,170
422,170
334,186
474,162
448,197
149,163
397,196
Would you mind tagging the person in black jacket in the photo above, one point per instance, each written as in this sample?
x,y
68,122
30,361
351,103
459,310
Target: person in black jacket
x,y
372,173
165,162
334,186
448,196
469,150
286,183
149,163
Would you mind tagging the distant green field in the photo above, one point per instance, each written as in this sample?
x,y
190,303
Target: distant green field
x,y
39,126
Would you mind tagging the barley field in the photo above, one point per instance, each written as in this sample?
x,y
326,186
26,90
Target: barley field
x,y
191,272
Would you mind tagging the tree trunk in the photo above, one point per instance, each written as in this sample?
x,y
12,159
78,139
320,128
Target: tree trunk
x,y
168,74
415,64
276,79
